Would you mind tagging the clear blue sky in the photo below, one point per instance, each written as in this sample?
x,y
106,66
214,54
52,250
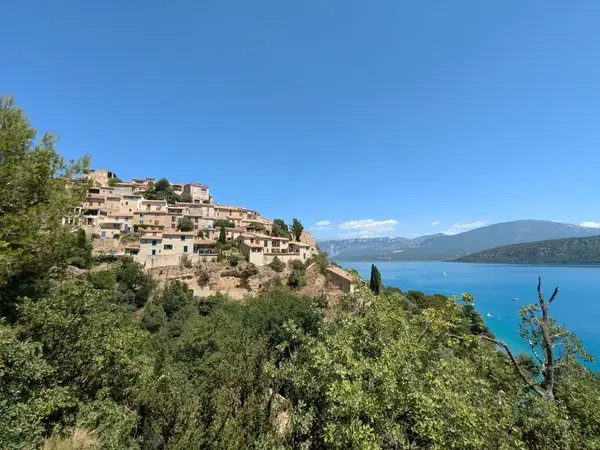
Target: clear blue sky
x,y
457,112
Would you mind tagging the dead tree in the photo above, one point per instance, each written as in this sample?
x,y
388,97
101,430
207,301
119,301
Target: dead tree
x,y
551,345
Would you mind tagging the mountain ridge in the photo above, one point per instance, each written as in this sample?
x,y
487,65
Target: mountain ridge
x,y
583,250
444,247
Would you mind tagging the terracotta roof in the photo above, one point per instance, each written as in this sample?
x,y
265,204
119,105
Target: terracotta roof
x,y
252,245
158,236
205,241
340,272
299,244
151,212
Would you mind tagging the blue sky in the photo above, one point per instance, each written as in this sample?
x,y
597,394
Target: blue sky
x,y
370,118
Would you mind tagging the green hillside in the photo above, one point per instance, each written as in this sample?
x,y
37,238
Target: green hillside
x,y
585,250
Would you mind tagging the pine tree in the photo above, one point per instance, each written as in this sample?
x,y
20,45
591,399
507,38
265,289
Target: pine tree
x,y
297,229
375,284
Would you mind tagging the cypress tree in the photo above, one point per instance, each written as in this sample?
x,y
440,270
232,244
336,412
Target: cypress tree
x,y
375,284
222,237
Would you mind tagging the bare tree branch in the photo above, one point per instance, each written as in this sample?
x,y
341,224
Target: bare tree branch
x,y
553,295
534,352
529,384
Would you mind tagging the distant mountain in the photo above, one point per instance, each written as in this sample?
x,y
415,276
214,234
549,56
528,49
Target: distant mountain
x,y
584,250
444,247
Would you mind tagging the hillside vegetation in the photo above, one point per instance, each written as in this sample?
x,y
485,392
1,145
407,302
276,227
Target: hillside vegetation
x,y
106,358
555,251
443,247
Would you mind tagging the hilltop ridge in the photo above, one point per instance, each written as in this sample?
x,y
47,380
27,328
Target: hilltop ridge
x,y
443,247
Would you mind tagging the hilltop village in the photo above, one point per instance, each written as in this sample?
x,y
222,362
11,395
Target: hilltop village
x,y
171,228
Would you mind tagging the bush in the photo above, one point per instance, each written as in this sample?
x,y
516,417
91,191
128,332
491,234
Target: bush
x,y
185,262
203,277
154,317
174,297
116,236
297,278
250,271
277,265
233,260
103,279
133,286
223,223
185,224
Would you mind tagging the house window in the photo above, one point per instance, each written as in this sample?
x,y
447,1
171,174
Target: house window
x,y
183,238
126,219
168,247
196,220
156,222
126,203
153,242
141,215
141,222
185,249
153,252
266,243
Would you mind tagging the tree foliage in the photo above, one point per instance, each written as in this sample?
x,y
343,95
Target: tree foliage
x,y
375,284
297,229
185,224
35,196
102,359
223,222
280,229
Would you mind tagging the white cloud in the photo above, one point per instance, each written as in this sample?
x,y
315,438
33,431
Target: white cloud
x,y
322,225
368,227
590,224
436,222
461,227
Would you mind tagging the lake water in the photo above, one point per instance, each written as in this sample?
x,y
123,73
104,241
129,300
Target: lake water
x,y
494,286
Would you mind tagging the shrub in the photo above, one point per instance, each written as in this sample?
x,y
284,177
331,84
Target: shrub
x,y
103,279
250,270
185,224
185,262
277,265
233,260
223,223
116,236
297,278
203,277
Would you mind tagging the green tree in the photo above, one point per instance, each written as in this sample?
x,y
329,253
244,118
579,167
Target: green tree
x,y
185,224
555,349
133,286
36,193
161,190
297,229
114,181
280,229
297,278
185,197
375,283
277,265
222,235
223,222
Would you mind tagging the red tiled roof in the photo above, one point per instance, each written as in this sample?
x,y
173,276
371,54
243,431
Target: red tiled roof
x,y
340,272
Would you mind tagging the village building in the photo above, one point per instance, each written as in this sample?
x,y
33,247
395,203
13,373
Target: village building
x,y
261,249
341,279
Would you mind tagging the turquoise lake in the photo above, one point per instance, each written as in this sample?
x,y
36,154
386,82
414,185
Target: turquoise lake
x,y
495,286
